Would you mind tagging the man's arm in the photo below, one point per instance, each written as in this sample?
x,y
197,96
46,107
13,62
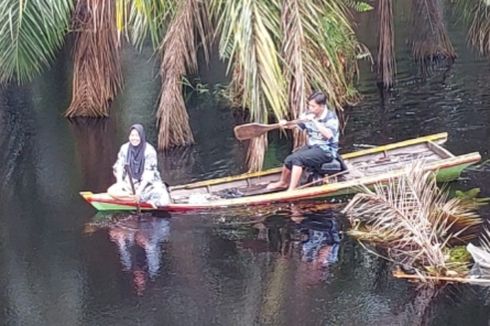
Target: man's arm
x,y
323,129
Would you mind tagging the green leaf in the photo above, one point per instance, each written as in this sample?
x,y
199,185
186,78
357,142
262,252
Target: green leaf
x,y
31,32
359,6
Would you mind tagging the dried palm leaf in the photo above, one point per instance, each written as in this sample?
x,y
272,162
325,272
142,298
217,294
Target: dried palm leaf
x,y
179,50
386,65
428,37
416,217
294,43
97,73
479,32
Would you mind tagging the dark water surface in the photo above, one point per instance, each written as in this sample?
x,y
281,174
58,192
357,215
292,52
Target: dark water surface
x,y
63,264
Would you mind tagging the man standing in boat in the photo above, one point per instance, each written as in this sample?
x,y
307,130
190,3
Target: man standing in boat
x,y
322,127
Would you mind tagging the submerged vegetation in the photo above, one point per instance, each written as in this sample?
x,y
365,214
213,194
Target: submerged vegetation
x,y
413,223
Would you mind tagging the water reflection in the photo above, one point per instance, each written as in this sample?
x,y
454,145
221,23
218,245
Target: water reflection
x,y
16,134
96,150
139,240
313,238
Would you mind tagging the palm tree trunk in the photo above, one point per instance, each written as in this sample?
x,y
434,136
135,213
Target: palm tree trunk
x,y
97,73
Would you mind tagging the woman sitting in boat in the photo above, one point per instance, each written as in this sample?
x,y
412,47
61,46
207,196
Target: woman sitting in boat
x,y
136,172
322,127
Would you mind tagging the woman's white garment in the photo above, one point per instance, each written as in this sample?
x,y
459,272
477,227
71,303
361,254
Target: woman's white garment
x,y
154,191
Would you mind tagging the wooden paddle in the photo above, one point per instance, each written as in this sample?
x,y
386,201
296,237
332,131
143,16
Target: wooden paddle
x,y
252,130
133,190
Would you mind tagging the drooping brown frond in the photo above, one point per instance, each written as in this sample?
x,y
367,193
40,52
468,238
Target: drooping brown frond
x,y
386,65
97,73
179,51
428,36
479,32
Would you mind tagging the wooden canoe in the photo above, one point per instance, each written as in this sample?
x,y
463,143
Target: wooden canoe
x,y
365,167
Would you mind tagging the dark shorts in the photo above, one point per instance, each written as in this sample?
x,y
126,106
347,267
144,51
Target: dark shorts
x,y
309,157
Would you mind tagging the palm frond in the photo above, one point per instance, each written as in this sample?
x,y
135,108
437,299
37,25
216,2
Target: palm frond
x,y
138,19
359,6
255,153
293,47
463,8
416,219
485,238
319,34
30,34
386,64
179,50
428,37
97,73
479,32
249,33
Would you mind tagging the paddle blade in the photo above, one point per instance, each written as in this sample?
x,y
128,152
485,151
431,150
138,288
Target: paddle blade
x,y
251,130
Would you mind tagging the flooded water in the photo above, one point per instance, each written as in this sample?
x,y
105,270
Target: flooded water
x,y
63,264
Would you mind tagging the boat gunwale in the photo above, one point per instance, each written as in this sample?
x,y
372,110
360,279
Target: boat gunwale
x,y
299,194
311,192
438,138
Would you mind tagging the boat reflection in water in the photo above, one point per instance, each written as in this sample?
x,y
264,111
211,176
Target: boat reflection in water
x,y
139,240
311,238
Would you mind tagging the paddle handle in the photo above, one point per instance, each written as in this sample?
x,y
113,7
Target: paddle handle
x,y
252,130
277,125
293,122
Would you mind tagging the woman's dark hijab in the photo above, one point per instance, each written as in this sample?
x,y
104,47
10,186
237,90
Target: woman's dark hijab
x,y
136,154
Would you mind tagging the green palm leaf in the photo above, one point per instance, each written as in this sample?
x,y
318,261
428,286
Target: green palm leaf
x,y
250,32
31,31
139,19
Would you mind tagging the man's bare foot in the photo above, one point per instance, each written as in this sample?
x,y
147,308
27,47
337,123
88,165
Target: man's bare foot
x,y
276,185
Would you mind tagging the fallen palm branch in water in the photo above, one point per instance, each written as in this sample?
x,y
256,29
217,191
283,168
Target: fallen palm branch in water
x,y
413,223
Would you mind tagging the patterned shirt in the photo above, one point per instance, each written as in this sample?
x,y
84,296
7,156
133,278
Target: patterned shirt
x,y
328,120
150,173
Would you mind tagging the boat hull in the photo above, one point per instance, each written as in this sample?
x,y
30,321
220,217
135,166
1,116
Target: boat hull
x,y
447,168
